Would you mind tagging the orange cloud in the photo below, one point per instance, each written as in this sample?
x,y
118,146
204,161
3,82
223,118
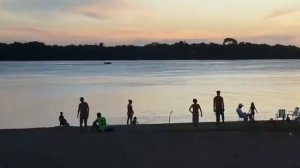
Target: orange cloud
x,y
25,34
282,12
29,30
101,10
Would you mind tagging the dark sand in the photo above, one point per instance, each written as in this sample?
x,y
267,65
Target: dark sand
x,y
233,145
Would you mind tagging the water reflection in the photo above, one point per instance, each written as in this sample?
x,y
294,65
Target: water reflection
x,y
36,91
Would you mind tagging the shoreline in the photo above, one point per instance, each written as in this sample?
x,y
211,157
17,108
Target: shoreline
x,y
234,145
230,125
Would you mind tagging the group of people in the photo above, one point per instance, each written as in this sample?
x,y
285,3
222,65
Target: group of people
x,y
130,119
83,113
218,106
246,116
100,122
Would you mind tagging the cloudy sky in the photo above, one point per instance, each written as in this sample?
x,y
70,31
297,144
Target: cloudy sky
x,y
139,22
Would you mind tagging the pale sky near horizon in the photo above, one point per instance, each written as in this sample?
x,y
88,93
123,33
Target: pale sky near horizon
x,y
139,22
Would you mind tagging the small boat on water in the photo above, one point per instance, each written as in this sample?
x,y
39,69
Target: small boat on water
x,y
107,62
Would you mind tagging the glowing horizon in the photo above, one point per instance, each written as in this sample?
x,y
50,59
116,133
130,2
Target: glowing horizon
x,y
139,22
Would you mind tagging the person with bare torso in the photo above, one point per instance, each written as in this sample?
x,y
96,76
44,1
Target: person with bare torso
x,y
252,111
129,112
219,107
83,110
194,109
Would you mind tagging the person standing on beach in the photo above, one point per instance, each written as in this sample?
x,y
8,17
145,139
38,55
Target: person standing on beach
x,y
219,107
129,112
194,109
252,111
83,109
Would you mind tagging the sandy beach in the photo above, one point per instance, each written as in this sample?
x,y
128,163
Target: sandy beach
x,y
235,144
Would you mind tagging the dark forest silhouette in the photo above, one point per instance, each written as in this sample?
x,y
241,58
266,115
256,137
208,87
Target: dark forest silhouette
x,y
230,49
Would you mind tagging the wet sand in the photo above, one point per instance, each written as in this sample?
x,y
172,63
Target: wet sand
x,y
233,145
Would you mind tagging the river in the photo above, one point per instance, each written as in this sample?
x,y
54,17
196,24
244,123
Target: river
x,y
33,93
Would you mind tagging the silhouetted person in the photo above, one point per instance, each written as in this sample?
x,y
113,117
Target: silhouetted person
x,y
194,109
62,121
100,124
242,114
83,110
252,111
129,112
135,122
219,107
288,119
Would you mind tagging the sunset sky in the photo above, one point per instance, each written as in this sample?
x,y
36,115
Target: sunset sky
x,y
139,22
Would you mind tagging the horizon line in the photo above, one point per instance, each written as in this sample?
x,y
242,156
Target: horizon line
x,y
142,45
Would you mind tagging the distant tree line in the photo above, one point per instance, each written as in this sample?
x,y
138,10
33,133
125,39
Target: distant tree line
x,y
230,49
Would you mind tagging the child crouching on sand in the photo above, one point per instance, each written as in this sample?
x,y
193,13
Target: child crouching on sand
x,y
135,122
100,124
62,121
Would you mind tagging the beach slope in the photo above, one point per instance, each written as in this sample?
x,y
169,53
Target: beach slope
x,y
235,144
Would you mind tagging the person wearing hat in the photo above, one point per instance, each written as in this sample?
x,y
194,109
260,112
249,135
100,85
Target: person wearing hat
x,y
242,114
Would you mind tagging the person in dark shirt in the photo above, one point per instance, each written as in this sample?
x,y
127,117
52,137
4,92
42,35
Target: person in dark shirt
x,y
129,112
219,107
62,121
194,109
83,110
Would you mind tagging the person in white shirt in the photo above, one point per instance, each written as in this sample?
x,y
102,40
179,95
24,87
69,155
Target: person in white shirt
x,y
242,114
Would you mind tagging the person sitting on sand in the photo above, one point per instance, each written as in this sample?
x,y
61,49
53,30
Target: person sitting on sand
x,y
194,109
135,122
62,121
241,113
100,124
252,111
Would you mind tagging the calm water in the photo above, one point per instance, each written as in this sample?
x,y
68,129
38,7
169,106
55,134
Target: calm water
x,y
33,93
